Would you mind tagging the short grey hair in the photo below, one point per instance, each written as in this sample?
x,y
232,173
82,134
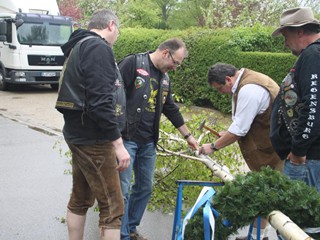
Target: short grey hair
x,y
219,71
101,18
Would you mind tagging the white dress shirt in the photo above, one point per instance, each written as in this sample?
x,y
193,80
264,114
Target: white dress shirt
x,y
252,101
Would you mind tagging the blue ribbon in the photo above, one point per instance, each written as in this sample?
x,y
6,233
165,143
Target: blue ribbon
x,y
205,199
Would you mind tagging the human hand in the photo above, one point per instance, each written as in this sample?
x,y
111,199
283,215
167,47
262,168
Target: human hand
x,y
206,149
193,143
296,160
122,155
222,133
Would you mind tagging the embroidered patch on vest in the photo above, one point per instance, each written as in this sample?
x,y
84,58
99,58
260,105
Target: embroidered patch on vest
x,y
117,83
290,103
139,82
290,97
142,72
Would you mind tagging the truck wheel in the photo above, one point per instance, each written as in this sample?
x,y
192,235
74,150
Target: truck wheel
x,y
54,86
3,84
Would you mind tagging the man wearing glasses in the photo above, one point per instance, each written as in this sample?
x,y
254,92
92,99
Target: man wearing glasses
x,y
148,93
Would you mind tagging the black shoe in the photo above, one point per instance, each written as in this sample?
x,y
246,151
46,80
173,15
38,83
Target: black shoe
x,y
137,236
245,238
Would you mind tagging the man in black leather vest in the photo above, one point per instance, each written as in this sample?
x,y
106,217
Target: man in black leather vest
x,y
92,100
148,94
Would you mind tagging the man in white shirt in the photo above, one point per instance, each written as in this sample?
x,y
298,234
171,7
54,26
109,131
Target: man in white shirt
x,y
252,96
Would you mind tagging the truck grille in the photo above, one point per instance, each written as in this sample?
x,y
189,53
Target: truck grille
x,y
41,60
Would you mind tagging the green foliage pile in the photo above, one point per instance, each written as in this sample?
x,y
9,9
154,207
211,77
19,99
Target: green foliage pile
x,y
171,168
259,193
252,48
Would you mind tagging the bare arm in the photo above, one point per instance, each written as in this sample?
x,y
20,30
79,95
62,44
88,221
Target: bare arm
x,y
192,142
226,139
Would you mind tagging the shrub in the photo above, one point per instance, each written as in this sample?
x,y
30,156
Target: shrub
x,y
251,48
256,39
275,65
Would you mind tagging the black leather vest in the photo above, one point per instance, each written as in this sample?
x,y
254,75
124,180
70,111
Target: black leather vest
x,y
290,102
72,92
138,95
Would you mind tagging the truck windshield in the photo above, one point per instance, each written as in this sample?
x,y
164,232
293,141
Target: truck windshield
x,y
44,33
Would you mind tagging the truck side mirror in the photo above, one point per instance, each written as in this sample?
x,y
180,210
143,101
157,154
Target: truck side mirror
x,y
3,27
3,31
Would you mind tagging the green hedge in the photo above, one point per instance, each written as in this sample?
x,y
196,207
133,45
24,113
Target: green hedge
x,y
275,65
241,47
256,39
136,40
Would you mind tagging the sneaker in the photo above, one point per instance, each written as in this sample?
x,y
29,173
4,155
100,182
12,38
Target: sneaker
x,y
137,236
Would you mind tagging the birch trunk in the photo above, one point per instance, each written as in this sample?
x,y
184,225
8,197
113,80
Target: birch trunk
x,y
286,227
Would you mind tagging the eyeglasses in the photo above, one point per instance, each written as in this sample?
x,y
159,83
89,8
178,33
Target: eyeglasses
x,y
176,63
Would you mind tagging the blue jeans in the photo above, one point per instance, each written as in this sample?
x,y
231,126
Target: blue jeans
x,y
142,157
309,172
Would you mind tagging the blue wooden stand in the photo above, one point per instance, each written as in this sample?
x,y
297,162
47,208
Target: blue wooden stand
x,y
178,209
258,229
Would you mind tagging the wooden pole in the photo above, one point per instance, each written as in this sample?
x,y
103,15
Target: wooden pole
x,y
286,227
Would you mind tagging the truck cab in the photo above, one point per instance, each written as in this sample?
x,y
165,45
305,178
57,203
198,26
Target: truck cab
x,y
30,43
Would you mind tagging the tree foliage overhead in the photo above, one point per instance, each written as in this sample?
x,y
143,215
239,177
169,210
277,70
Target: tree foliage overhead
x,y
166,6
182,14
231,13
189,13
70,8
143,13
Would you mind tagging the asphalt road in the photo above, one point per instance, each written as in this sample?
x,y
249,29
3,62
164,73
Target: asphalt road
x,y
34,188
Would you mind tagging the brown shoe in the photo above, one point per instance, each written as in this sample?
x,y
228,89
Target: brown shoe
x,y
137,236
245,238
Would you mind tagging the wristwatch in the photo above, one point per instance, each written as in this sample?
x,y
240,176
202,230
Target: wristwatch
x,y
213,147
187,135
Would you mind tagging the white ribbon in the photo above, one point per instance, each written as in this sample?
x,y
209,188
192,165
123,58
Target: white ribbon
x,y
204,197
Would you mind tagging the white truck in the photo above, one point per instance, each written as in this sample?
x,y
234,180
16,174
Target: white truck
x,y
31,33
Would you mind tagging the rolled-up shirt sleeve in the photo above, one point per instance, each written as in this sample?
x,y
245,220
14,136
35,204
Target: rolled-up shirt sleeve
x,y
252,101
